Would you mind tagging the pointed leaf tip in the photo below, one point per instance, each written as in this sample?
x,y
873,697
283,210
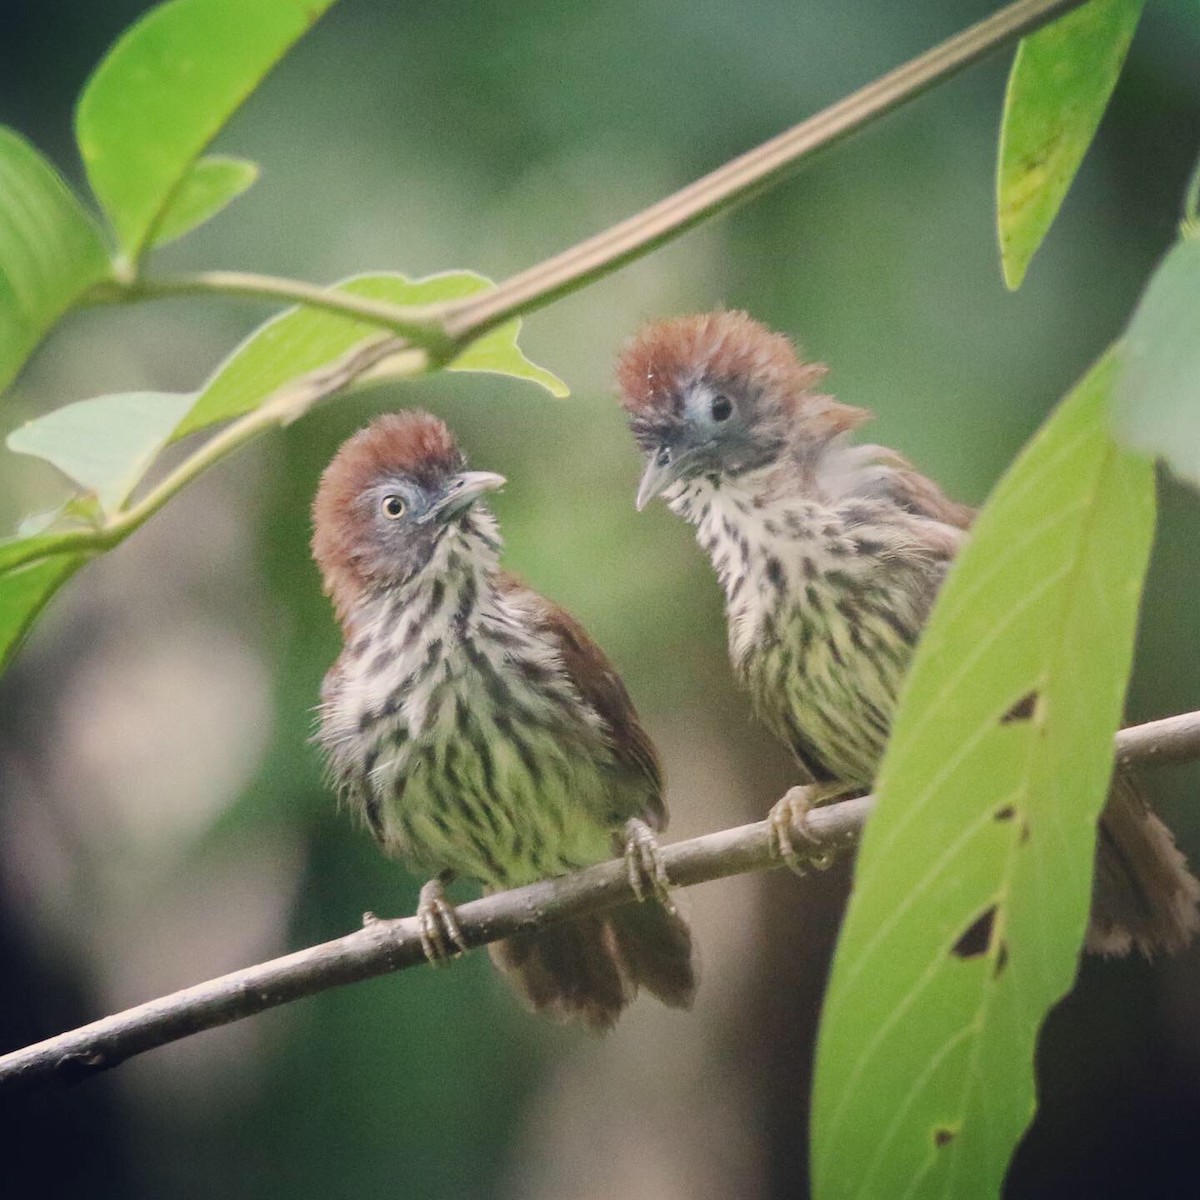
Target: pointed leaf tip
x,y
211,184
302,340
1058,88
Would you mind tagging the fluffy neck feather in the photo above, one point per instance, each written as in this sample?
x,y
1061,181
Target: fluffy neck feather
x,y
828,581
457,629
464,563
785,537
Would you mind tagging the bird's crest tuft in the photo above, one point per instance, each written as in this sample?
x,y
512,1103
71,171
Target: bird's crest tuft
x,y
665,358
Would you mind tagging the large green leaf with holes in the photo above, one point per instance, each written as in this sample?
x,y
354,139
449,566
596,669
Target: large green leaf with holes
x,y
306,339
1058,89
165,90
973,881
50,251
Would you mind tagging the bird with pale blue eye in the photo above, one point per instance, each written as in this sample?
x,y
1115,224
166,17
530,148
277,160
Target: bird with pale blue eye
x,y
479,731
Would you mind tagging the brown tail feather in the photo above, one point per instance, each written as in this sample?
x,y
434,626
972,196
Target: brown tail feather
x,y
590,969
1144,897
656,948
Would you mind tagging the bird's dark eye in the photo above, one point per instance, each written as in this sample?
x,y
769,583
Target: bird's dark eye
x,y
393,507
722,408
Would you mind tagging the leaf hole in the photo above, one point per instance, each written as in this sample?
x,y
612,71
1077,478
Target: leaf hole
x,y
943,1135
1001,959
978,935
1025,709
1005,814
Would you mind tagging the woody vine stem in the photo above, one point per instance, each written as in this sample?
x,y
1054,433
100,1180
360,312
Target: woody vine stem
x,y
431,336
383,946
444,330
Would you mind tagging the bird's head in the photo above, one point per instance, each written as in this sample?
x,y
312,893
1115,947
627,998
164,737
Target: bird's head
x,y
390,496
719,395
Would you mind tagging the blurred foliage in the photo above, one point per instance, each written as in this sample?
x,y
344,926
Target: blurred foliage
x,y
155,101
1156,394
50,248
419,138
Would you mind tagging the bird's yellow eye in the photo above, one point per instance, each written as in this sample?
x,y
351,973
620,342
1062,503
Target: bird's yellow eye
x,y
393,507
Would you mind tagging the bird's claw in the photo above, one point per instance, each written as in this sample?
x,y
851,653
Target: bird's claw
x,y
441,935
644,864
788,821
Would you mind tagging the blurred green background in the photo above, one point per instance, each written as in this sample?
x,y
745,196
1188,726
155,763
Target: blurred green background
x,y
162,815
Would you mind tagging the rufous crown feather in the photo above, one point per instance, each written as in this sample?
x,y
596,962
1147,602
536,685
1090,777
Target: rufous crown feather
x,y
666,358
415,446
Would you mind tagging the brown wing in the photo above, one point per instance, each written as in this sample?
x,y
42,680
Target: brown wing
x,y
600,686
919,494
939,523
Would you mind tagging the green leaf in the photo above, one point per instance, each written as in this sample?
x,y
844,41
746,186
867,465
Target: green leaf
x,y
1058,89
165,90
304,339
104,444
212,183
924,1076
1157,402
497,353
17,551
32,569
50,251
25,591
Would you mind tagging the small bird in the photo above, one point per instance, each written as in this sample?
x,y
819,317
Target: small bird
x,y
478,730
831,555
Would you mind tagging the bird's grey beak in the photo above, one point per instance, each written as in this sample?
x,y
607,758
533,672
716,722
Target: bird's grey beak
x,y
463,490
662,469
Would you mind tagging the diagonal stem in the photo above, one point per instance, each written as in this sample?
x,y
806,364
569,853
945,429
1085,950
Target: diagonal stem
x,y
281,408
419,325
744,177
443,330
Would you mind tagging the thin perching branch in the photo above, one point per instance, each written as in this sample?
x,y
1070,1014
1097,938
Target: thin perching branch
x,y
382,946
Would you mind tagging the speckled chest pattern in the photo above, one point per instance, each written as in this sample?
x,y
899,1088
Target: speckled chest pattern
x,y
452,726
824,601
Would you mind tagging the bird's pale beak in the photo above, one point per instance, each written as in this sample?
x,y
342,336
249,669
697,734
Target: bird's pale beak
x,y
662,469
463,490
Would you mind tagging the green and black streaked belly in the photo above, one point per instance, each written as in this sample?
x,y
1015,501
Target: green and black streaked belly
x,y
499,803
473,755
